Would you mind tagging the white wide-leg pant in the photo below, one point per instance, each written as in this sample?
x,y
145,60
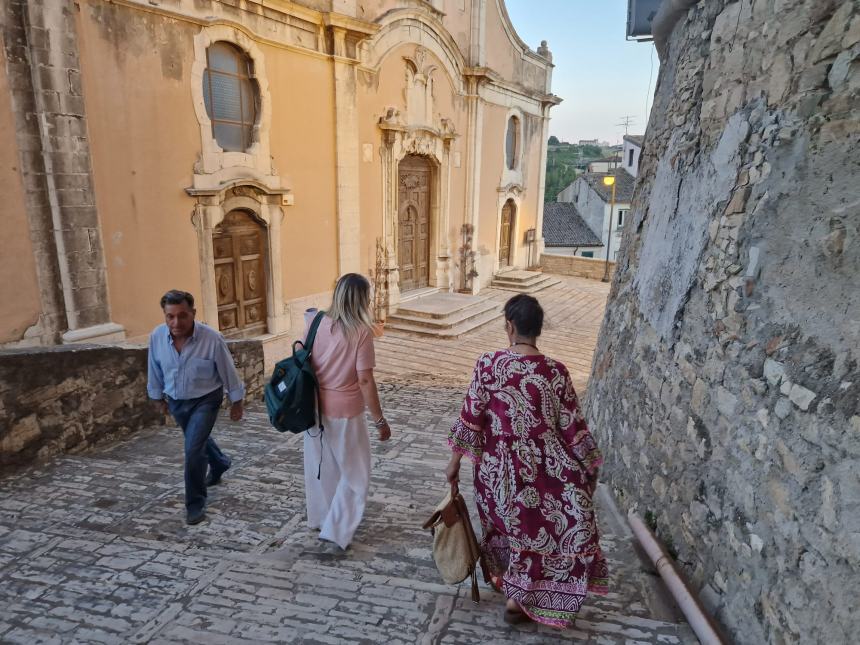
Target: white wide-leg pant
x,y
336,500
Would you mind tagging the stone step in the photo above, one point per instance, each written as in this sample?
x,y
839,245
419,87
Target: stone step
x,y
415,294
518,276
448,333
439,305
447,322
518,283
530,288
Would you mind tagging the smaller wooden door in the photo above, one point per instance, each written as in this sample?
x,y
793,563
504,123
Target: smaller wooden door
x,y
239,245
413,223
506,233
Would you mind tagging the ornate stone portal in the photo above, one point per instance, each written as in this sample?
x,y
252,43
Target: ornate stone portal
x,y
263,205
417,133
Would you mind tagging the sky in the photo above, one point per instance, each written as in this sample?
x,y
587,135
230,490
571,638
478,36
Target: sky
x,y
601,76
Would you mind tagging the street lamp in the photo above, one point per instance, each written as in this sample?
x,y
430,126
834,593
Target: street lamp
x,y
609,180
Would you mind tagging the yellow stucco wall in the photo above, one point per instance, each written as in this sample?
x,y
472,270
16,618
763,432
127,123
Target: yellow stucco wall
x,y
502,56
303,149
145,140
19,286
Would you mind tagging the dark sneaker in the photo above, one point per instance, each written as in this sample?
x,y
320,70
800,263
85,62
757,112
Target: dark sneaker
x,y
214,476
195,517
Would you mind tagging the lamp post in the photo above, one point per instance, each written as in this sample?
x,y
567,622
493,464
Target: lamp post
x,y
609,180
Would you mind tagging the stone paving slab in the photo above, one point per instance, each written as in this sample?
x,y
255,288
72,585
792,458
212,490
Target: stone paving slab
x,y
94,548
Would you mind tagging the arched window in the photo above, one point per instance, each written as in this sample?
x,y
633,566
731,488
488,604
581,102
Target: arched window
x,y
231,96
512,143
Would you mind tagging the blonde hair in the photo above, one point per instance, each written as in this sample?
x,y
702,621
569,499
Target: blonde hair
x,y
350,304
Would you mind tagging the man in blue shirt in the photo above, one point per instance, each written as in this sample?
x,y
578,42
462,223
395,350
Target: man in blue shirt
x,y
189,369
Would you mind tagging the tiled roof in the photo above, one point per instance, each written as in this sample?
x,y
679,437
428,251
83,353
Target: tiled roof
x,y
564,226
623,185
635,139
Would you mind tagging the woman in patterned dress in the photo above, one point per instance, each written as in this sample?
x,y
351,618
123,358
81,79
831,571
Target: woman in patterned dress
x,y
535,475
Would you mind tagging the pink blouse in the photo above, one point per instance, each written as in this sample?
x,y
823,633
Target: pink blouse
x,y
337,360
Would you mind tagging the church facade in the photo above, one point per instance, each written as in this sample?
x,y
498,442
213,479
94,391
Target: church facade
x,y
252,151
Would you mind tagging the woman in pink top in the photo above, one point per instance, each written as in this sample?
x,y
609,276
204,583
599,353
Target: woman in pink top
x,y
343,359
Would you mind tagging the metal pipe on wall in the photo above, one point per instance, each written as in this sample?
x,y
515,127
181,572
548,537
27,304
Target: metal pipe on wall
x,y
689,604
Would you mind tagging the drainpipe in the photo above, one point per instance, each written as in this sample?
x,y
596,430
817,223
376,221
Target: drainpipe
x,y
700,622
668,15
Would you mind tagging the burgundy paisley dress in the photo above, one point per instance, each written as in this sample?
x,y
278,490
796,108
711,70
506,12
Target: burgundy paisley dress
x,y
535,474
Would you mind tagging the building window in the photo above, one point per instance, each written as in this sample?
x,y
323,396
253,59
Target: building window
x,y
630,159
231,96
622,215
512,143
588,254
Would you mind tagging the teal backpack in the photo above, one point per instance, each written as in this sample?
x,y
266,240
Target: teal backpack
x,y
292,394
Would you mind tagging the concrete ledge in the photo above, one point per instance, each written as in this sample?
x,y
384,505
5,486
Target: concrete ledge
x,y
591,268
105,333
69,397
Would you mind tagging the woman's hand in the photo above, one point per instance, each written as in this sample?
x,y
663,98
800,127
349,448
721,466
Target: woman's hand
x,y
384,432
452,471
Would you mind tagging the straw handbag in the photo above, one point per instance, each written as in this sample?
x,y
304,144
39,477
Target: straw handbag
x,y
455,547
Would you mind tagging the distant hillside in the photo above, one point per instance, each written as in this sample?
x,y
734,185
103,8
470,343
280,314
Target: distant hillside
x,y
563,162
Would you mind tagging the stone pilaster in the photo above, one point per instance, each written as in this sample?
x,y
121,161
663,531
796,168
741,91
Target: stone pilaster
x,y
346,133
57,174
474,141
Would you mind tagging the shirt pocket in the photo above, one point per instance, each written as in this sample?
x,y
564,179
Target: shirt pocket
x,y
202,370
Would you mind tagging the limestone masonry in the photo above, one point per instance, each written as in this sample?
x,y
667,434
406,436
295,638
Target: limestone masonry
x,y
725,385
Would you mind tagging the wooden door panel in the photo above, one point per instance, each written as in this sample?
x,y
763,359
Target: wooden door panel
x,y
223,247
252,287
225,283
228,319
240,275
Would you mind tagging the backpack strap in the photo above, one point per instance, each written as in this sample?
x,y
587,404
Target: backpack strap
x,y
309,345
312,332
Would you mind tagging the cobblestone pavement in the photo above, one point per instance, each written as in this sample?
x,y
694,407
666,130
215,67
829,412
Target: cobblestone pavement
x,y
94,548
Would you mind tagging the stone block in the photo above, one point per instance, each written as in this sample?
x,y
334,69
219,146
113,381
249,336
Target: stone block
x,y
19,436
726,402
773,372
801,396
829,41
782,408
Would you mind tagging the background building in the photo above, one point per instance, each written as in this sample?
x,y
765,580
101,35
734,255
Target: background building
x,y
593,201
250,153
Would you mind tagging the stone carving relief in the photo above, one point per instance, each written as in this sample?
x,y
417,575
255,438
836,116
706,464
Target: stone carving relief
x,y
419,88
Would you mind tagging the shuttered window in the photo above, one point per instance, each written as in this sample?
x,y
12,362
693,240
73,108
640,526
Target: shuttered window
x,y
512,143
230,95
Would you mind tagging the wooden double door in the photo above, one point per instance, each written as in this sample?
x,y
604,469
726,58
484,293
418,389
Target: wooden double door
x,y
413,222
239,245
507,232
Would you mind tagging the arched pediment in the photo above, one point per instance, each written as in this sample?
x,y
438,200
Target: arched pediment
x,y
411,25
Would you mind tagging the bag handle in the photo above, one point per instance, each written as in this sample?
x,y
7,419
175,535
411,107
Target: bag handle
x,y
308,343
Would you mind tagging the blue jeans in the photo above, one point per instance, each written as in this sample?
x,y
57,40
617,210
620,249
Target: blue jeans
x,y
196,417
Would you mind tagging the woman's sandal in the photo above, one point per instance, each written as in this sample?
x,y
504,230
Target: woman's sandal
x,y
516,617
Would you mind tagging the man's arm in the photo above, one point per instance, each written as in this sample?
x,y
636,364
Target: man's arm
x,y
230,378
155,378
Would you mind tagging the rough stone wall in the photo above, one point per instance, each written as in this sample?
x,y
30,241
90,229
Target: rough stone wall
x,y
725,386
66,398
590,268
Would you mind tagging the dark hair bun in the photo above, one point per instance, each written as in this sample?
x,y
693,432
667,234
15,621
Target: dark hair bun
x,y
525,314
